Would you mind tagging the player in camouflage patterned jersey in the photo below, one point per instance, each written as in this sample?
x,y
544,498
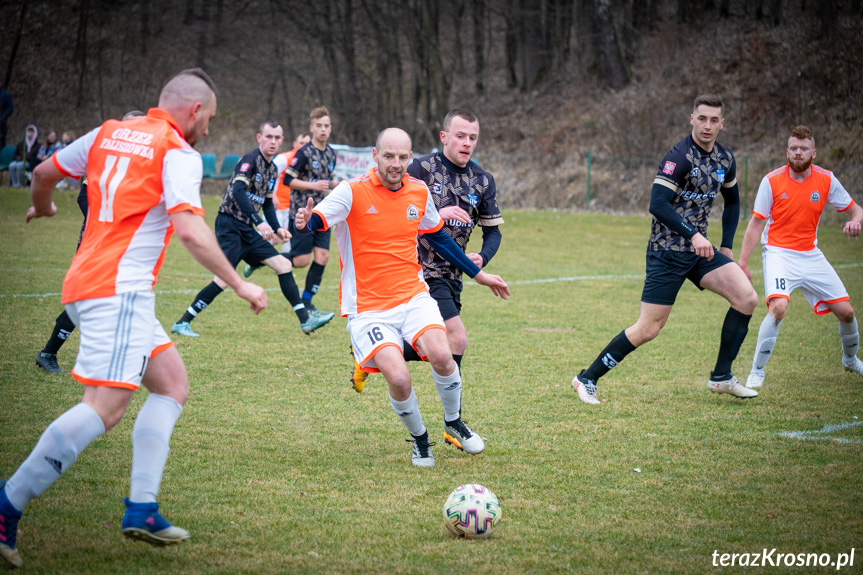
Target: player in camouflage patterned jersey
x,y
310,175
250,189
685,187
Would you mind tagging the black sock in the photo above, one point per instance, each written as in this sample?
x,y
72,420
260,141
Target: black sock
x,y
313,281
734,330
292,294
618,348
63,328
457,359
204,298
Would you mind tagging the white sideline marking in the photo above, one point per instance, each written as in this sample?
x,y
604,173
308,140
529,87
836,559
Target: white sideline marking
x,y
468,282
818,433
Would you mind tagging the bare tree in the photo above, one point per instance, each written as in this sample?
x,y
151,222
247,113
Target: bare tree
x,y
613,67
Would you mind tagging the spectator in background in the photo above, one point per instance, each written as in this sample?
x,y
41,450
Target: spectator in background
x,y
6,109
66,139
25,157
69,137
50,146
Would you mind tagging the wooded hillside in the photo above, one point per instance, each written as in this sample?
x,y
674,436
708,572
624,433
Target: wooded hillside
x,y
550,79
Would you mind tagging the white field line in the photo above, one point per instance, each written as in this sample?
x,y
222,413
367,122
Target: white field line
x,y
331,286
821,433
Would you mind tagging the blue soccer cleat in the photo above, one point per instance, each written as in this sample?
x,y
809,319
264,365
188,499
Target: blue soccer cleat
x,y
143,522
9,517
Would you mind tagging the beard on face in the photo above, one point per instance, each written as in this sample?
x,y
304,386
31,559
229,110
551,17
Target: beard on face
x,y
800,167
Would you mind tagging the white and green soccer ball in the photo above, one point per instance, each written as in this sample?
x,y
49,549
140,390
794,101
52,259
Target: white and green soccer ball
x,y
471,511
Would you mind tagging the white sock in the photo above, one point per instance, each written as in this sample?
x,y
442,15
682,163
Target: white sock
x,y
55,452
767,334
850,338
151,439
409,412
449,390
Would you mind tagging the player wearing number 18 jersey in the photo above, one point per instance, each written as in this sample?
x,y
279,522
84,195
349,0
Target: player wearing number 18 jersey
x,y
788,206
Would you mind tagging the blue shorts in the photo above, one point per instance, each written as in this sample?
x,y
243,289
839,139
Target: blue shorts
x,y
447,294
667,270
240,241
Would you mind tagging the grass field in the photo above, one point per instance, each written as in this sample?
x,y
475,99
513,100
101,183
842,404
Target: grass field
x,y
278,466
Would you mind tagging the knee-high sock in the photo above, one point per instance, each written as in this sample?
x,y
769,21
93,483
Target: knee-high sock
x,y
55,452
292,294
449,391
409,412
767,334
151,438
850,338
734,330
63,328
313,281
204,298
617,349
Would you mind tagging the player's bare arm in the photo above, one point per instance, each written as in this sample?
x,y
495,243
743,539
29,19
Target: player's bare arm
x,y
750,240
702,246
45,177
496,283
852,227
201,243
454,213
317,185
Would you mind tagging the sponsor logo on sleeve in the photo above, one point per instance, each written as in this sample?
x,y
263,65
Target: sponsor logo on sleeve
x,y
669,168
244,167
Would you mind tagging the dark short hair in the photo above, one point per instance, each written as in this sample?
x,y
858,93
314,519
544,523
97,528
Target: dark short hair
x,y
270,123
712,100
462,113
803,133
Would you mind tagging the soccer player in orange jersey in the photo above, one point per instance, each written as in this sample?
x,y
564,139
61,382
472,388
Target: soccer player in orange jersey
x,y
144,184
787,209
377,217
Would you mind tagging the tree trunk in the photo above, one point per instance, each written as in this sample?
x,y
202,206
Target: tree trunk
x,y
18,33
531,56
614,69
480,14
81,49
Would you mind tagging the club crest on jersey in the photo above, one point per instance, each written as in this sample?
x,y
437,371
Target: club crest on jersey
x,y
258,177
815,196
244,167
413,212
720,175
694,172
436,189
316,164
472,199
332,166
669,168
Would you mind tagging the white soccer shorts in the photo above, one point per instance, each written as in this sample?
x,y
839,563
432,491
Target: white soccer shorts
x,y
786,270
119,335
373,330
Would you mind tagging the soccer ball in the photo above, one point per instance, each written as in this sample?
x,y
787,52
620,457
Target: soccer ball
x,y
471,511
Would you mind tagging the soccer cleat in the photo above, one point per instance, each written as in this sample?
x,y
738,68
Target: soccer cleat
x,y
183,328
143,522
316,320
585,388
421,454
732,387
755,379
452,441
248,270
358,378
9,517
854,366
48,362
468,440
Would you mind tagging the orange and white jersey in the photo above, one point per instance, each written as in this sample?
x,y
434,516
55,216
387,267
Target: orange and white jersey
x,y
793,209
283,192
138,172
376,230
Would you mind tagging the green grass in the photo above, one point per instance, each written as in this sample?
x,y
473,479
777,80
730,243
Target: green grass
x,y
278,466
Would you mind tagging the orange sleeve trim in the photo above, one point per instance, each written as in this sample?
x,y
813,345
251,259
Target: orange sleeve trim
x,y
187,207
848,207
759,216
160,348
432,230
827,310
104,383
326,225
60,168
